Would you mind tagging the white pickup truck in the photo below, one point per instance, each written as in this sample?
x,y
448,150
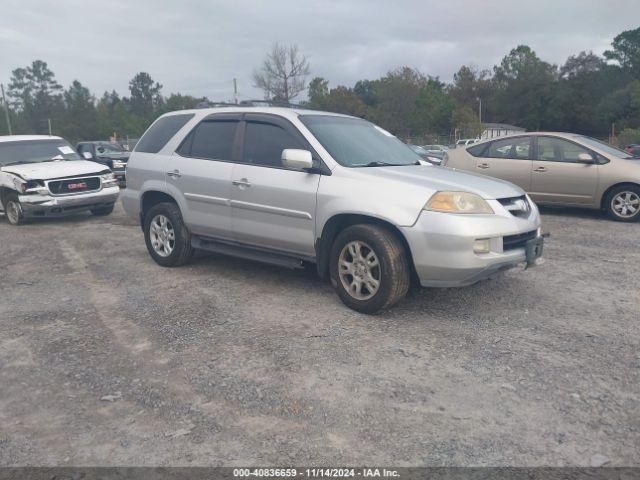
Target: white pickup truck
x,y
42,176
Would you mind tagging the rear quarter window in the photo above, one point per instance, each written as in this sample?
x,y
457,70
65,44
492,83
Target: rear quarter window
x,y
477,150
161,132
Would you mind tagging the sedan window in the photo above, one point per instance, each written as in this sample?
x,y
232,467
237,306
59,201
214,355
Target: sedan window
x,y
516,148
553,149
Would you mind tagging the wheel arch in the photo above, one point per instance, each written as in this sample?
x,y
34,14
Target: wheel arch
x,y
334,225
151,198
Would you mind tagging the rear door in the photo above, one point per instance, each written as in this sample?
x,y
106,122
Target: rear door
x,y
509,159
201,170
558,176
273,207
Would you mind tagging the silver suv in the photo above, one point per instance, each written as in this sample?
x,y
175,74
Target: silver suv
x,y
288,187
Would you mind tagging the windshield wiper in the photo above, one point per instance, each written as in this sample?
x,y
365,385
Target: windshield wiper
x,y
382,164
18,162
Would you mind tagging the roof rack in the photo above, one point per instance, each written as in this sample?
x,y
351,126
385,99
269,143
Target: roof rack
x,y
253,103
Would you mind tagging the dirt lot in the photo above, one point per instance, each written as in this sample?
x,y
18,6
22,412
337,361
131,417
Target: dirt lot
x,y
108,359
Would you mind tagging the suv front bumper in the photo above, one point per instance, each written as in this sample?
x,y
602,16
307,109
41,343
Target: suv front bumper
x,y
442,245
44,205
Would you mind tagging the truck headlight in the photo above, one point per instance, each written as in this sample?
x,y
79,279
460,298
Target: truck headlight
x,y
108,177
458,202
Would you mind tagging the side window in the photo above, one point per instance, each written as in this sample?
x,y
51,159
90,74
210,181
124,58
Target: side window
x,y
264,142
516,148
161,132
552,149
211,139
477,150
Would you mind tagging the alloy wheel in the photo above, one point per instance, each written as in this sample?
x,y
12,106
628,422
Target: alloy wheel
x,y
359,270
626,204
163,236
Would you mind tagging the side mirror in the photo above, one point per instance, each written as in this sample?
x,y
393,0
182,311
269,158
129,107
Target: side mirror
x,y
87,155
586,158
297,159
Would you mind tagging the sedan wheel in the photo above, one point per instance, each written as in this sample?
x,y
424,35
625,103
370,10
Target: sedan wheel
x,y
626,204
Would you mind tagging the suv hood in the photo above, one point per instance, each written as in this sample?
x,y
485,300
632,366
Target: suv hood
x,y
56,169
445,179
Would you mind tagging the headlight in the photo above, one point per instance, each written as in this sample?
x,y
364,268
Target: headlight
x,y
458,202
108,177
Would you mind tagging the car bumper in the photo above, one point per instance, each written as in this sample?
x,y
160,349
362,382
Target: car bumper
x,y
41,205
442,245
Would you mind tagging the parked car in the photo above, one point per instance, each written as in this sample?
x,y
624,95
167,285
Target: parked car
x,y
434,158
289,186
436,148
633,149
465,141
111,154
560,169
42,176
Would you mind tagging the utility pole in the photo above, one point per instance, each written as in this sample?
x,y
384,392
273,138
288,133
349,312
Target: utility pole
x,y
480,109
49,123
235,91
6,109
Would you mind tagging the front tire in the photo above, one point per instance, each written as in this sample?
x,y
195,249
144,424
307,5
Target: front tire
x,y
369,268
13,210
623,203
167,238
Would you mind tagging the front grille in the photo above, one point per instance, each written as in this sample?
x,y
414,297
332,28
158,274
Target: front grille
x,y
517,206
511,242
74,185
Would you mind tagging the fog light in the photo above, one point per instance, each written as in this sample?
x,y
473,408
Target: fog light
x,y
482,245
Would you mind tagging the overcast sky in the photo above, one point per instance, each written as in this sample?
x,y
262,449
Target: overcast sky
x,y
197,46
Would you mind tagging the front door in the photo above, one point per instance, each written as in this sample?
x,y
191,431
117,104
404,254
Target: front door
x,y
508,159
558,176
271,206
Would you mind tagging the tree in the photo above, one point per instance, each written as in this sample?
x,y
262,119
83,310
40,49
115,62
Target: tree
x,y
433,109
283,73
523,89
396,95
146,96
626,50
582,63
34,92
344,100
318,91
80,113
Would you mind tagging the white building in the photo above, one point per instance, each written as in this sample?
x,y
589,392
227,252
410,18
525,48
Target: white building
x,y
493,130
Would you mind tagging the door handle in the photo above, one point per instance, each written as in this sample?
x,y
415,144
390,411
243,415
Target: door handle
x,y
540,169
174,174
483,166
243,182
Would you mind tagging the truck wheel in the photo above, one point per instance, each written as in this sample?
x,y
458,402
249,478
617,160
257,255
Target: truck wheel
x,y
13,209
102,211
623,203
167,238
369,268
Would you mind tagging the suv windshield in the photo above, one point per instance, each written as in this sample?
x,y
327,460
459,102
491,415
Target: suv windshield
x,y
353,142
35,151
608,149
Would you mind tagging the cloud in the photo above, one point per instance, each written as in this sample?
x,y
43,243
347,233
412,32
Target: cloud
x,y
197,46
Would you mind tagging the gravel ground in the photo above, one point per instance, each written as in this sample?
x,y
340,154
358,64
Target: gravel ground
x,y
108,359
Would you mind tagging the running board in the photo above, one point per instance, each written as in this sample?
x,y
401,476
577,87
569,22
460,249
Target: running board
x,y
249,253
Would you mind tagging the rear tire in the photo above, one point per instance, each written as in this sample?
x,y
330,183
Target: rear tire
x,y
13,210
623,203
167,238
103,211
369,268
